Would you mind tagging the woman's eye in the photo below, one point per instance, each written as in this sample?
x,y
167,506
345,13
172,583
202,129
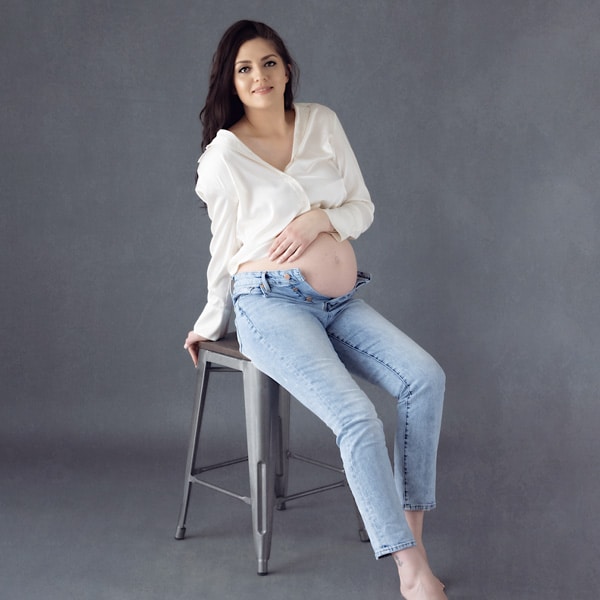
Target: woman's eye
x,y
270,63
243,70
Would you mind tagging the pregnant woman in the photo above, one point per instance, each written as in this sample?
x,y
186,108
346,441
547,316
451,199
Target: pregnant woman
x,y
286,196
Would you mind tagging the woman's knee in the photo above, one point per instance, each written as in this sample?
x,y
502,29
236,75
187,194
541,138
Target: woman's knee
x,y
436,374
429,377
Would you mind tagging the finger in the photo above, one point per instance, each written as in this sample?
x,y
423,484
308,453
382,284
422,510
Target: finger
x,y
286,253
276,241
290,254
297,253
279,251
281,254
193,350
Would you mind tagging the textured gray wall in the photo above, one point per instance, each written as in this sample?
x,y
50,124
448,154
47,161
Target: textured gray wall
x,y
477,126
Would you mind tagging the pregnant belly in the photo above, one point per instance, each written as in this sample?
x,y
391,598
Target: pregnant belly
x,y
328,266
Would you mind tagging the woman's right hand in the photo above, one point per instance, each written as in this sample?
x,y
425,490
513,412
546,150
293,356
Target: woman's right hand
x,y
293,241
191,345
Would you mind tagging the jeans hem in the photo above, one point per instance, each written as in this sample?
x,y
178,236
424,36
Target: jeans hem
x,y
387,550
415,507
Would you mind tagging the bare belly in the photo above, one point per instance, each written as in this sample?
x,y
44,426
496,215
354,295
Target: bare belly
x,y
328,266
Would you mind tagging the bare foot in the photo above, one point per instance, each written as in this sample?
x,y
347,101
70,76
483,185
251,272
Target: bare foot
x,y
422,591
417,582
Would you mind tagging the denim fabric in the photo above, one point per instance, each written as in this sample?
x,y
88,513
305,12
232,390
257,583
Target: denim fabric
x,y
312,345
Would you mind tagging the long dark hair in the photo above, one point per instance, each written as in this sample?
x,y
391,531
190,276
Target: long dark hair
x,y
223,108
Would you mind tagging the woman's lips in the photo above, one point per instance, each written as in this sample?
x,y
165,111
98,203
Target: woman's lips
x,y
262,90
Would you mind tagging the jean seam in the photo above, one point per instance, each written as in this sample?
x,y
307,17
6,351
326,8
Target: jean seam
x,y
405,448
407,402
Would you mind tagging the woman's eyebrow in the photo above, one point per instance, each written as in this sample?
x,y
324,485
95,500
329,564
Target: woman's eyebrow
x,y
263,58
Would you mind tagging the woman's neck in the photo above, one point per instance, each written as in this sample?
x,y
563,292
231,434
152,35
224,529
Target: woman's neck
x,y
268,123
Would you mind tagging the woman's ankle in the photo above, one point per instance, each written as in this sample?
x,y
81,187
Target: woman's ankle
x,y
416,578
411,564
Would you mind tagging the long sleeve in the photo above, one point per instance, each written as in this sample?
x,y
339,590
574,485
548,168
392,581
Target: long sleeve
x,y
221,203
355,215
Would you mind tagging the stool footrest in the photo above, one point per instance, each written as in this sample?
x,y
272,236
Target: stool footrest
x,y
317,490
281,500
316,463
226,463
222,490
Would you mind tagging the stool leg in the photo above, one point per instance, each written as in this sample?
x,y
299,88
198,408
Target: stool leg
x,y
282,447
261,396
200,397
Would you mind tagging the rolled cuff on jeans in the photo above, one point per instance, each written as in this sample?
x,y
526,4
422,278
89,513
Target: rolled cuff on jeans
x,y
387,550
425,507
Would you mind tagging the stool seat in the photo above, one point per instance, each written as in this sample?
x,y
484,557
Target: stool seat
x,y
227,346
267,414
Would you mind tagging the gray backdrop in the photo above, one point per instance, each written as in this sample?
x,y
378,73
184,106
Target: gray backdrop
x,y
477,126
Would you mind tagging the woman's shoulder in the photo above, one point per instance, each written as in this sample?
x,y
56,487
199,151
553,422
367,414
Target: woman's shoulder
x,y
214,165
314,118
220,145
217,154
314,110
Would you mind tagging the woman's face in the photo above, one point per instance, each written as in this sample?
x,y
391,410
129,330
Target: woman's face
x,y
260,75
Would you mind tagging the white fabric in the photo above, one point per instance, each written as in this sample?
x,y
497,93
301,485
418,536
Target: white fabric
x,y
249,201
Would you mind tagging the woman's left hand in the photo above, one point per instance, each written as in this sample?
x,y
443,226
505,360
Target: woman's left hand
x,y
293,241
191,344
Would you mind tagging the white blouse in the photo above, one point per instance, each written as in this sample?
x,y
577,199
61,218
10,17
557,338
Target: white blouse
x,y
249,201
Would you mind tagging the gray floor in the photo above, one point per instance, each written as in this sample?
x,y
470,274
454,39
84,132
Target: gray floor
x,y
95,521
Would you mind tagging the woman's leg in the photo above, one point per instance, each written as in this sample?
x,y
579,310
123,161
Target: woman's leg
x,y
373,348
376,350
415,518
288,341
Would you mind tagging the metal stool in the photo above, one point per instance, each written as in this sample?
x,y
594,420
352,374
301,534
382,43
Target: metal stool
x,y
267,407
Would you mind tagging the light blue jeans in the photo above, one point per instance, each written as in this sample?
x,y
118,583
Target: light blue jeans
x,y
312,345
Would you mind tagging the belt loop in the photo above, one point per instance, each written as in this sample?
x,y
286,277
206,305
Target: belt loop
x,y
265,288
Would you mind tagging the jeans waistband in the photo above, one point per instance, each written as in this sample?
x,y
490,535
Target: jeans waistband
x,y
265,280
272,278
